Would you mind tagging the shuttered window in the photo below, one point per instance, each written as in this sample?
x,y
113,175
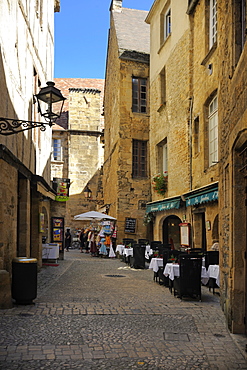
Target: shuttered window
x,y
139,158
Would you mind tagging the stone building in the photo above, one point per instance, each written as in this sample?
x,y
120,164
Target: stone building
x,y
126,181
233,159
198,134
26,64
78,147
181,94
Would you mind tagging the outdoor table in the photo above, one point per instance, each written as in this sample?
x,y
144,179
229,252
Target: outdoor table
x,y
120,248
128,252
214,273
172,270
155,264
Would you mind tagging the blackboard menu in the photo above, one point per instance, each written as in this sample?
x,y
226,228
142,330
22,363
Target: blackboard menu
x,y
130,225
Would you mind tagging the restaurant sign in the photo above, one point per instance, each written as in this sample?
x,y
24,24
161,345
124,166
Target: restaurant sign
x,y
163,205
202,198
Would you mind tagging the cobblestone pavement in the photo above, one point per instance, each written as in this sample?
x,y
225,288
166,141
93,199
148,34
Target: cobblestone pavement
x,y
97,313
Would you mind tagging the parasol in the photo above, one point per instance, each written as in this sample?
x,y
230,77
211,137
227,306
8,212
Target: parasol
x,y
93,215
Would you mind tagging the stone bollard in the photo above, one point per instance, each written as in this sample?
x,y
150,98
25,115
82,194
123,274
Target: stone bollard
x,y
5,290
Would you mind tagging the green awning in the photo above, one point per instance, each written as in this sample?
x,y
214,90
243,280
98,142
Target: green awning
x,y
202,196
163,205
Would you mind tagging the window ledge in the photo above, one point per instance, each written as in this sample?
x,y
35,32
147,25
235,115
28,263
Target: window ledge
x,y
57,162
209,54
164,42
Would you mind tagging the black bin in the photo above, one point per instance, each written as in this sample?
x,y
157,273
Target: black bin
x,y
139,256
24,280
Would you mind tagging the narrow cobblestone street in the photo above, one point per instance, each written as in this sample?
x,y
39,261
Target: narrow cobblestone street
x,y
97,313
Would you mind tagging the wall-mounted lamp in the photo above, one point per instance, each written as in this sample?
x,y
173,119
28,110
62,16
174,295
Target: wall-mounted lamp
x,y
49,95
87,192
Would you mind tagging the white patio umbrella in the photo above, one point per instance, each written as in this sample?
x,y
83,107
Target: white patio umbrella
x,y
93,215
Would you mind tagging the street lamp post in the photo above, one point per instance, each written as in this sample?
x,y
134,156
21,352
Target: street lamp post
x,y
49,95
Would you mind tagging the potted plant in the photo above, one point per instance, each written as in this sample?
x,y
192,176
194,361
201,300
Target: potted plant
x,y
160,183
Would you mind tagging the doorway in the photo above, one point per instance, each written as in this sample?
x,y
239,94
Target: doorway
x,y
171,231
199,226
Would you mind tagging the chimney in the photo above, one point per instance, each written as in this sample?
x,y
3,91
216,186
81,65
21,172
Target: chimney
x,y
116,5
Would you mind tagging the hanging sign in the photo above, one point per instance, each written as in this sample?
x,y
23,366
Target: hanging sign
x,y
61,186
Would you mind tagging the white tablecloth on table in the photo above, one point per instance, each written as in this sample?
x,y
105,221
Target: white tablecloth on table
x,y
120,248
172,270
214,272
155,264
129,251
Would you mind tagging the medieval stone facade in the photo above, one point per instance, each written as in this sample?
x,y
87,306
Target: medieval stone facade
x,y
126,167
233,174
26,64
180,93
198,134
77,146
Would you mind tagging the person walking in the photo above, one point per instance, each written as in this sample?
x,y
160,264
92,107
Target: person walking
x,y
82,240
67,240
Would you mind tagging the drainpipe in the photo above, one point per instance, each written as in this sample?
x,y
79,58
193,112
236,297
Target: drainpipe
x,y
190,142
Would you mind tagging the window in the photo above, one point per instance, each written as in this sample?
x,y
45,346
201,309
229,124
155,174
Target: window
x,y
163,86
168,24
162,158
196,136
139,95
240,27
139,158
213,131
57,149
212,22
165,24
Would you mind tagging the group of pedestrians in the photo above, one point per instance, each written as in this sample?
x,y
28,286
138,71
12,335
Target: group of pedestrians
x,y
84,242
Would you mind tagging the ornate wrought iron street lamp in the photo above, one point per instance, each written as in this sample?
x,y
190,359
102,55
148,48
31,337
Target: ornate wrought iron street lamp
x,y
52,97
87,192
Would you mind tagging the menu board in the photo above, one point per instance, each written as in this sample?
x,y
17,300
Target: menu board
x,y
185,234
130,225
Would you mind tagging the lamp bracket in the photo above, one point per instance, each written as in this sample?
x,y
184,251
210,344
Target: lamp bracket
x,y
10,126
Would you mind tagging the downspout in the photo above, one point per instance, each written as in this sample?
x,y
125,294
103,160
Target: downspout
x,y
190,141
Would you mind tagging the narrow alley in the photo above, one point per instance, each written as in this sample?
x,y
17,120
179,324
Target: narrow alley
x,y
97,313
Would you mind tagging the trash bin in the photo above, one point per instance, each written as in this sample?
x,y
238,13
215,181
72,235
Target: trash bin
x,y
24,280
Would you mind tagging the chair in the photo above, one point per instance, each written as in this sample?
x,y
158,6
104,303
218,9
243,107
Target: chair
x,y
128,241
197,251
143,241
189,282
154,245
166,254
211,258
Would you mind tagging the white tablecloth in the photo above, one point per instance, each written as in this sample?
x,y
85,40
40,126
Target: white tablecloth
x,y
120,248
172,270
214,272
155,264
129,251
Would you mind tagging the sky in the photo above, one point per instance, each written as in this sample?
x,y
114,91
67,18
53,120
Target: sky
x,y
81,36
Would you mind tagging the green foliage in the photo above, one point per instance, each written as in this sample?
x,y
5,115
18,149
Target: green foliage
x,y
160,183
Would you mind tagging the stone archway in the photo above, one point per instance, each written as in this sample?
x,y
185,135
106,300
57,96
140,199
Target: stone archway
x,y
171,231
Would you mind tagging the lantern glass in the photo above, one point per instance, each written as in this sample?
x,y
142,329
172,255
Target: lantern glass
x,y
54,100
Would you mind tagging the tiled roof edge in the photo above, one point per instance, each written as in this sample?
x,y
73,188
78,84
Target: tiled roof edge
x,y
84,90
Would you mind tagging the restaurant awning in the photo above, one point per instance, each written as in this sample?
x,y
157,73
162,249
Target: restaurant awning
x,y
205,194
163,205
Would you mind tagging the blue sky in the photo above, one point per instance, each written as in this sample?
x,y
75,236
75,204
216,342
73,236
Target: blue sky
x,y
81,34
